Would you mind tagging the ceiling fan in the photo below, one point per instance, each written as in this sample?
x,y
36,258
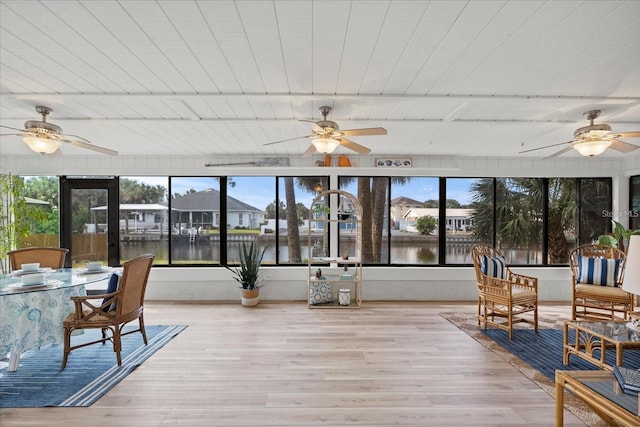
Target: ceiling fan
x,y
594,139
327,136
46,138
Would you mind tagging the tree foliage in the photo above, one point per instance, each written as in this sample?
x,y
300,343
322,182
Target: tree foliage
x,y
14,225
519,214
426,224
132,191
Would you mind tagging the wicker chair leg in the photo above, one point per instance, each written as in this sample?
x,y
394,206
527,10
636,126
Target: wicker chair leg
x,y
117,345
67,348
510,323
142,330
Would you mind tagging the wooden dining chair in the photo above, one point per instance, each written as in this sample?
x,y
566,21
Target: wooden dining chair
x,y
47,257
114,311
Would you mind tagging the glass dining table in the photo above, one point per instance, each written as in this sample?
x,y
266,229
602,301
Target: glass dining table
x,y
31,316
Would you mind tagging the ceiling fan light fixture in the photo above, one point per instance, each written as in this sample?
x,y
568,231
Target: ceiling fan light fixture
x,y
592,148
325,145
42,145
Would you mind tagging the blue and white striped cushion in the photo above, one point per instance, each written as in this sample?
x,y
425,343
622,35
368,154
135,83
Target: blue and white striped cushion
x,y
598,271
493,267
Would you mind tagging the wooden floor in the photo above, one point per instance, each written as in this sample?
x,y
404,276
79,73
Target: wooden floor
x,y
281,364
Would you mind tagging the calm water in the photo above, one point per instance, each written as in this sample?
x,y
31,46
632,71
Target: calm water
x,y
401,252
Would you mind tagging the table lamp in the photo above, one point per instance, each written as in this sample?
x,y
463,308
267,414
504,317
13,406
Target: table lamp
x,y
631,279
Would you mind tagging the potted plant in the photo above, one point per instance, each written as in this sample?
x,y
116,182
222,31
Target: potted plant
x,y
247,273
618,238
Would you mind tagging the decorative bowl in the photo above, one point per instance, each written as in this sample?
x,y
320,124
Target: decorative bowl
x,y
31,266
94,265
33,279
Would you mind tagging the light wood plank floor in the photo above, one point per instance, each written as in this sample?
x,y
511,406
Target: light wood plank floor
x,y
281,364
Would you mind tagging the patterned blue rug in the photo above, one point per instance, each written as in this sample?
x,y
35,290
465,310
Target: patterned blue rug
x,y
91,371
538,355
543,351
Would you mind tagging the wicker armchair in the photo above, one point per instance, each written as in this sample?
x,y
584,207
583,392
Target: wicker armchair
x,y
47,257
117,309
504,297
597,273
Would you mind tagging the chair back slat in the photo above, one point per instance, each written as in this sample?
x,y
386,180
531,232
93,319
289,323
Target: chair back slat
x,y
134,283
47,257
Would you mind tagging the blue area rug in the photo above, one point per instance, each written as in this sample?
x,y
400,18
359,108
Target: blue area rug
x,y
543,351
537,356
91,371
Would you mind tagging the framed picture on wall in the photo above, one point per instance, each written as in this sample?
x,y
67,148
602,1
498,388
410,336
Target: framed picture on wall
x,y
393,163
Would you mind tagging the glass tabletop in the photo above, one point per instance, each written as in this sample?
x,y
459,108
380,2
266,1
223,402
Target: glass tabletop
x,y
612,391
53,279
613,331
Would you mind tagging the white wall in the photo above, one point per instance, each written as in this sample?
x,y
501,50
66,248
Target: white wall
x,y
380,283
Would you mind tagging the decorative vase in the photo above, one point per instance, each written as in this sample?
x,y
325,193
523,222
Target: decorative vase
x,y
344,297
250,297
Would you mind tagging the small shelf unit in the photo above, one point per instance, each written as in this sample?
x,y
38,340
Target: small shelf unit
x,y
333,269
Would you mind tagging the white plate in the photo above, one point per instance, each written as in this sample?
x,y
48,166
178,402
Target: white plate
x,y
23,286
96,271
19,273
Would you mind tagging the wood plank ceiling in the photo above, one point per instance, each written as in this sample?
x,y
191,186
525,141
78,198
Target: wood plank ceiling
x,y
202,78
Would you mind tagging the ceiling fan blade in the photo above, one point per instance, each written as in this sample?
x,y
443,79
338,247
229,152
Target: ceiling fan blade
x,y
14,134
627,135
9,127
623,147
88,145
364,131
289,139
310,151
546,146
264,162
564,150
354,147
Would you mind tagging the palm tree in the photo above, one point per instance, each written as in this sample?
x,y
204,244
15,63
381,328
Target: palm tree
x,y
308,184
293,231
519,214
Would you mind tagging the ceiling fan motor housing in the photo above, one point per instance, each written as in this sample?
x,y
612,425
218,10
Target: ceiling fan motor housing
x,y
592,131
328,126
39,127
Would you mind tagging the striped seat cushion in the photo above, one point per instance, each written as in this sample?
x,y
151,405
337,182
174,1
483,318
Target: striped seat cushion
x,y
493,267
598,271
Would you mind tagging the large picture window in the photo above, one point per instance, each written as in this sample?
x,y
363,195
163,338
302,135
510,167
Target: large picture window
x,y
414,213
291,220
469,216
35,221
373,194
409,220
195,201
144,217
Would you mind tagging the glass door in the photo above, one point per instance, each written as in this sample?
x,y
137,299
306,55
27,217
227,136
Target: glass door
x,y
89,220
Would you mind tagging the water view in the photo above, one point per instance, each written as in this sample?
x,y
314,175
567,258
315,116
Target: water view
x,y
402,252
